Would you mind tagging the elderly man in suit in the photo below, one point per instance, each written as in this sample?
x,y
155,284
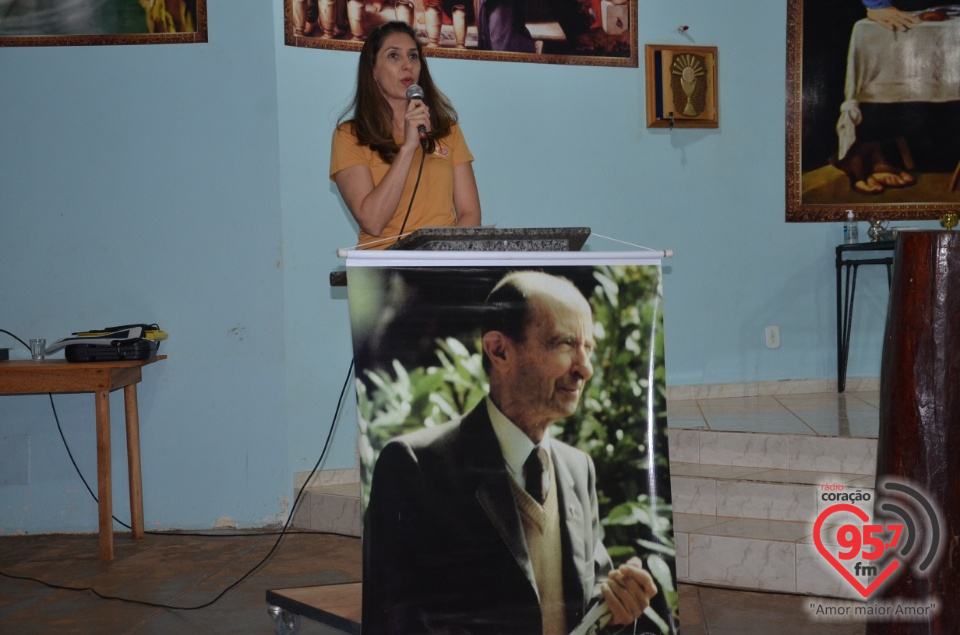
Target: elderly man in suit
x,y
485,524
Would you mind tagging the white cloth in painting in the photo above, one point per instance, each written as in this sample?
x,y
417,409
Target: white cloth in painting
x,y
885,67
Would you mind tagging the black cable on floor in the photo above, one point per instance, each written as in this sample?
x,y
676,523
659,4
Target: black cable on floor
x,y
280,536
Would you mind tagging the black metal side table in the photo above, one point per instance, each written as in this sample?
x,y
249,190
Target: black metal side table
x,y
849,261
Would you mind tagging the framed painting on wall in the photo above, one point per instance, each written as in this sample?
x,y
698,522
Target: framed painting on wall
x,y
581,32
681,86
873,110
102,22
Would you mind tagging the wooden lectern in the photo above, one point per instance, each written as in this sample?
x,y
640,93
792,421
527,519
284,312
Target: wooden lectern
x,y
495,239
485,239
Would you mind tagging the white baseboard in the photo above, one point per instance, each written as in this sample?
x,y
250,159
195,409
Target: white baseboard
x,y
784,387
324,478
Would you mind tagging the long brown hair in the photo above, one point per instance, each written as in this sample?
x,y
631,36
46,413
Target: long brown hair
x,y
372,120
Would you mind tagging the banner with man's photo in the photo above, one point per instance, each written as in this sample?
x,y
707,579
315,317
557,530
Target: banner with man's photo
x,y
463,363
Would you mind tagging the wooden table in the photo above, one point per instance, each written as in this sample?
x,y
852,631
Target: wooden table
x,y
26,377
334,605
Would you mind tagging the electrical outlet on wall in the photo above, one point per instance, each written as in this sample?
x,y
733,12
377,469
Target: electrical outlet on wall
x,y
771,336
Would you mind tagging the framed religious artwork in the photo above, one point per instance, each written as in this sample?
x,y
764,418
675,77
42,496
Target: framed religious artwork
x,y
102,22
581,32
681,86
872,110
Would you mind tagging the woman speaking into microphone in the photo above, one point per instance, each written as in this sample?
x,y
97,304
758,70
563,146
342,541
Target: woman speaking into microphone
x,y
400,162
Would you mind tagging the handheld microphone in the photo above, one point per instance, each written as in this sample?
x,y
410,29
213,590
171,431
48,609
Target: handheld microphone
x,y
415,92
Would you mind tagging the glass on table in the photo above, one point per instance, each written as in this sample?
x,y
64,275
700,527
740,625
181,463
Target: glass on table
x,y
37,348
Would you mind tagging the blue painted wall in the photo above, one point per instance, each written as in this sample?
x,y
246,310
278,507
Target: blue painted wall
x,y
187,185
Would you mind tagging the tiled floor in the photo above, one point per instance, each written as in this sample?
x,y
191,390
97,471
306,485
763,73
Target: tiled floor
x,y
851,414
189,571
708,610
184,571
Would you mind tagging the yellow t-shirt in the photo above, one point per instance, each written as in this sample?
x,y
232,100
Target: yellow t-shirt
x,y
433,206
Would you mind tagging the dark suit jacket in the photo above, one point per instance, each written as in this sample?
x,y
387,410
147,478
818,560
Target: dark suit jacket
x,y
443,543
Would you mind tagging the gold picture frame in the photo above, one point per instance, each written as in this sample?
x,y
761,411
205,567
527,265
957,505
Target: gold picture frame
x,y
682,86
88,23
450,29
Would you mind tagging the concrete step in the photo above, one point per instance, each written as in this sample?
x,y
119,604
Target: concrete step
x,y
752,528
758,493
766,555
331,507
847,455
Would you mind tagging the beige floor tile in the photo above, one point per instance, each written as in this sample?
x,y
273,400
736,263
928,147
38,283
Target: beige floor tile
x,y
745,613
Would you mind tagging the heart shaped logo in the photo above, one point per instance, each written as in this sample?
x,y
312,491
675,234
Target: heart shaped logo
x,y
892,566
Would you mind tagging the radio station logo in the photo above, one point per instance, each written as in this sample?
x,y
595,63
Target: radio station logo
x,y
869,552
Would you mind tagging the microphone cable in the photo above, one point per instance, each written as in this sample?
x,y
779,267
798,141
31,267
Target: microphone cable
x,y
423,156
